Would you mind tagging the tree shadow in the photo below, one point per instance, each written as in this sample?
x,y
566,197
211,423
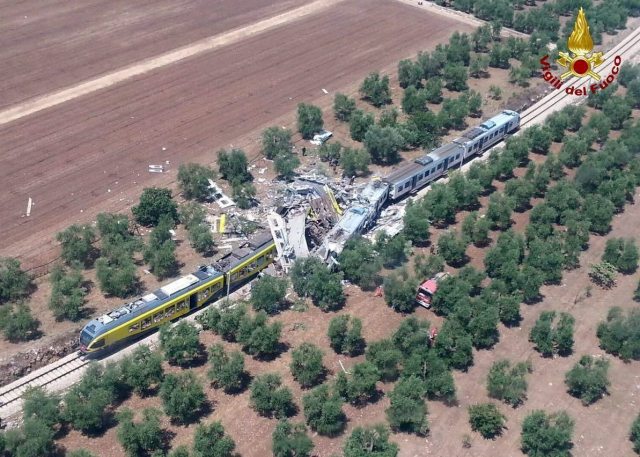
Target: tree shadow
x,y
374,398
461,263
281,349
488,190
199,360
166,439
245,381
206,408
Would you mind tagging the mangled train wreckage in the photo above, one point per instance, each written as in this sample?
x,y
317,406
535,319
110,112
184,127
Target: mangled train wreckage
x,y
411,177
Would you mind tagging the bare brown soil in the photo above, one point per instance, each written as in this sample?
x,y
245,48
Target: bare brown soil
x,y
601,429
106,141
99,146
55,44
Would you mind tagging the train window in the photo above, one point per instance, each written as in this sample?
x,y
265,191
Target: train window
x,y
439,167
158,317
406,186
146,322
170,310
134,327
457,156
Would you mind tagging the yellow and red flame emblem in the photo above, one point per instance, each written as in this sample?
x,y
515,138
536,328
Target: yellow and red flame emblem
x,y
580,62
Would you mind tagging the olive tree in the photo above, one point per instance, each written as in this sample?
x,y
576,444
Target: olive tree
x,y
267,294
306,364
269,398
323,411
309,120
77,243
14,282
588,379
276,141
227,369
345,335
140,438
343,107
193,180
154,202
486,419
547,434
507,383
370,441
210,440
291,440
182,396
180,344
142,369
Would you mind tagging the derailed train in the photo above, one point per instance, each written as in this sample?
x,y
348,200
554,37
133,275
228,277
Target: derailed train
x,y
179,297
414,175
208,282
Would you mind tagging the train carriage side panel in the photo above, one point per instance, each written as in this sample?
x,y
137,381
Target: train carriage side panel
x,y
152,318
258,261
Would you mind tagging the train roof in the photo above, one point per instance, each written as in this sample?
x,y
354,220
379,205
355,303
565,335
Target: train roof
x,y
152,300
497,120
446,150
403,172
237,256
374,191
176,288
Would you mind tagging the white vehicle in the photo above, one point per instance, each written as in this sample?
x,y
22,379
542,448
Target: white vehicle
x,y
320,138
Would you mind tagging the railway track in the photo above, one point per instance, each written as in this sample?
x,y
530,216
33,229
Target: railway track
x,y
49,374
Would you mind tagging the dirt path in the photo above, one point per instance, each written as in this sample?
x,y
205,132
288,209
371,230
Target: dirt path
x,y
153,63
460,16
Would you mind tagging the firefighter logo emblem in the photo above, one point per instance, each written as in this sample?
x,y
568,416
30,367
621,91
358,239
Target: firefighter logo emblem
x,y
580,61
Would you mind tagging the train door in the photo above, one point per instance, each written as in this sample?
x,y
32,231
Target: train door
x,y
414,181
193,300
445,166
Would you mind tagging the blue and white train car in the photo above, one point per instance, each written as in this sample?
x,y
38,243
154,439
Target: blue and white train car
x,y
431,166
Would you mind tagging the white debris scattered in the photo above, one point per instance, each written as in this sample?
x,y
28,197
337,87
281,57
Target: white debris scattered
x,y
29,203
221,199
325,91
164,149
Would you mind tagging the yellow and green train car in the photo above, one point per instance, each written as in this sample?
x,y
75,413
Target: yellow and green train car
x,y
179,297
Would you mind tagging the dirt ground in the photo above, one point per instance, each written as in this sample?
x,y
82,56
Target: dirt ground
x,y
601,429
383,52
86,39
100,145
